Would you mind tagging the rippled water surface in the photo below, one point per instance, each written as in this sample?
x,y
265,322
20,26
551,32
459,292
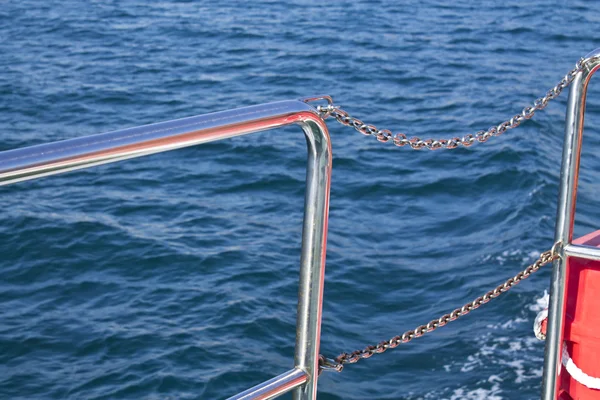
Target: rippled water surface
x,y
175,275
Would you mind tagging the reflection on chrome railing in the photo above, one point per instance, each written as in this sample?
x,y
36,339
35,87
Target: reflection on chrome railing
x,y
565,218
53,158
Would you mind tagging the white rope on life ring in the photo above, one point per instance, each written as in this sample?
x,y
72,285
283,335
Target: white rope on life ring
x,y
573,370
576,372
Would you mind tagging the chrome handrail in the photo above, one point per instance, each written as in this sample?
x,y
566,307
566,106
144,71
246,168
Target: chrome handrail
x,y
565,219
53,158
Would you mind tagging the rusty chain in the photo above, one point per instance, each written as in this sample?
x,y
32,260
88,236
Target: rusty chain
x,y
338,363
416,143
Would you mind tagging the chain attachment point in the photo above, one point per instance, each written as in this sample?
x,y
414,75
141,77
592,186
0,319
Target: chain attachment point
x,y
327,364
324,111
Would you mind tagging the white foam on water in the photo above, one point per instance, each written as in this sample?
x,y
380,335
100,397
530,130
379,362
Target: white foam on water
x,y
512,256
541,303
518,358
536,189
478,394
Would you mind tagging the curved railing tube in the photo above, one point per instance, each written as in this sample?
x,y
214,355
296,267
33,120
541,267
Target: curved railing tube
x,y
53,158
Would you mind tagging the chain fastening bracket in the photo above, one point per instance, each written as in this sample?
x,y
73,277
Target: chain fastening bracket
x,y
319,98
327,364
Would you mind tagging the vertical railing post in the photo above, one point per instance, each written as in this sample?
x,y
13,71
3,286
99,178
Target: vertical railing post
x,y
312,261
569,175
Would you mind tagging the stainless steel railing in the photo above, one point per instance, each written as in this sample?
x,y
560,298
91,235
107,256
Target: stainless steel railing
x,y
53,158
37,161
565,219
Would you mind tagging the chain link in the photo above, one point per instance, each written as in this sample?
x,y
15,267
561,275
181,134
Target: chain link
x,y
337,364
416,143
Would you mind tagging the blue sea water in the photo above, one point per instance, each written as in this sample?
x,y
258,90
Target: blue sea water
x,y
175,275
